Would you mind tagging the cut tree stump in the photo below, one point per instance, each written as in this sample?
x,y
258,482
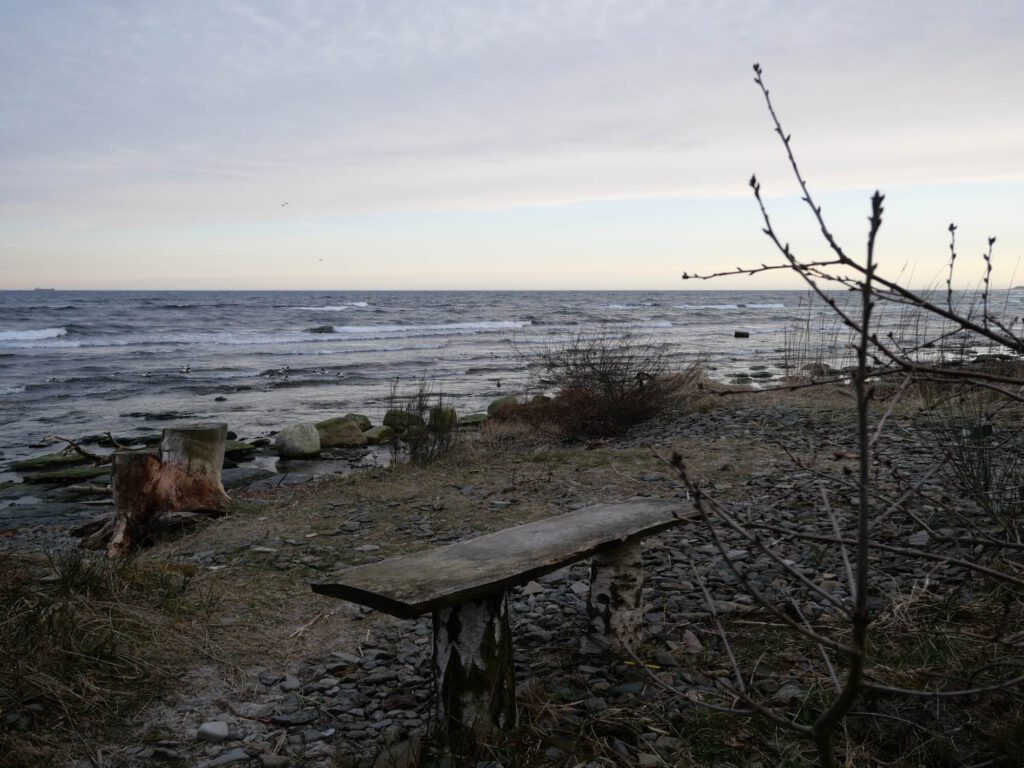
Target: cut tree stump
x,y
154,491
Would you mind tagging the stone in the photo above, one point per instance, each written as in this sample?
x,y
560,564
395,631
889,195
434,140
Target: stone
x,y
379,435
50,462
274,761
533,588
472,420
297,441
362,421
340,432
214,731
290,683
442,419
501,403
236,755
400,420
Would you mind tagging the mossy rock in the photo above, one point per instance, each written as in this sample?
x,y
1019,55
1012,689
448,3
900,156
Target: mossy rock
x,y
502,403
472,419
237,449
50,462
379,435
442,418
340,432
69,475
363,421
400,420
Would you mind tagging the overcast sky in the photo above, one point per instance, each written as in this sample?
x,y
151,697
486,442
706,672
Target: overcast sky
x,y
529,144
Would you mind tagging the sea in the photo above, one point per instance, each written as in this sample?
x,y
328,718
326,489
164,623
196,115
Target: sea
x,y
83,363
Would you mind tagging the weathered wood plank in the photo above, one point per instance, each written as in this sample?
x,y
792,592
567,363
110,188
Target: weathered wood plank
x,y
414,584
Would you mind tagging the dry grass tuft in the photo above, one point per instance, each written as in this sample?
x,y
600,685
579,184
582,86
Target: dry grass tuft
x,y
82,642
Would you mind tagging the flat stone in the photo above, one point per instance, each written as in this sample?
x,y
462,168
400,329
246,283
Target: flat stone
x,y
533,588
236,755
302,717
274,761
214,731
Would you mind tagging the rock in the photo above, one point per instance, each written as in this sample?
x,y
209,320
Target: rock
x,y
50,462
400,420
236,449
214,731
290,683
501,403
442,419
297,441
472,420
236,755
274,761
692,642
741,335
533,588
379,435
919,539
69,475
361,420
340,432
239,477
302,717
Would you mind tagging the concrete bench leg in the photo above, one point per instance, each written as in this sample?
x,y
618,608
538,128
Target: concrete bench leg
x,y
473,668
615,604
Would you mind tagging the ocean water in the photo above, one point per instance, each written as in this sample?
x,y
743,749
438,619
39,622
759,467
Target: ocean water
x,y
79,363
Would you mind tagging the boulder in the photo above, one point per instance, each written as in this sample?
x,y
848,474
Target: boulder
x,y
340,432
400,420
443,419
363,421
501,403
297,441
378,435
472,420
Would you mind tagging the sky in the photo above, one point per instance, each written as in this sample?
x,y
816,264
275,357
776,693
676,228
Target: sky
x,y
478,144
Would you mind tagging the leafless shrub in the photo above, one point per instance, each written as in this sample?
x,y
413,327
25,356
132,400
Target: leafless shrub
x,y
850,669
604,382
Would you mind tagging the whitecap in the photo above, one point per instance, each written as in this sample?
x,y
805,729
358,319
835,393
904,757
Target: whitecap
x,y
337,307
11,390
707,306
42,333
420,330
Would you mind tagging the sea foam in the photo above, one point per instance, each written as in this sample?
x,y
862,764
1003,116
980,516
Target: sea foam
x,y
42,333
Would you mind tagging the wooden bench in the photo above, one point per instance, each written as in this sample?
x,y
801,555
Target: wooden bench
x,y
465,585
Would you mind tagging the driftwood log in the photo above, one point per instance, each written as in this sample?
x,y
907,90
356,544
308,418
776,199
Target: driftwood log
x,y
154,490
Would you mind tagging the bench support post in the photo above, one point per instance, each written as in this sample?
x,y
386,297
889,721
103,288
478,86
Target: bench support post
x,y
615,603
473,668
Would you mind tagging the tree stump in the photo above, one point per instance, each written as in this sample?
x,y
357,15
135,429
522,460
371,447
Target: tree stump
x,y
473,669
615,603
151,490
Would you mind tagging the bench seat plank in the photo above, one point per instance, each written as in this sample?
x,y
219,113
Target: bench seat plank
x,y
412,585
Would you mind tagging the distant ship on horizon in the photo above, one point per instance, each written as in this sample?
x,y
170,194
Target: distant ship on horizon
x,y
44,289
